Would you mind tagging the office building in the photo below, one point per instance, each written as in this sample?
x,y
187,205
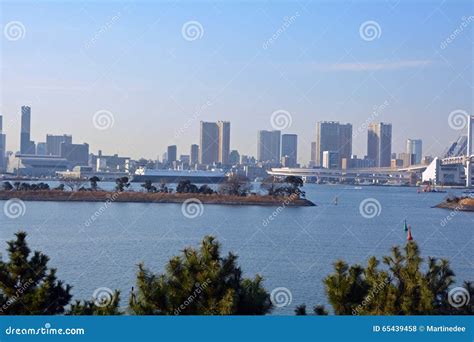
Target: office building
x,y
41,149
172,154
331,159
26,145
289,149
234,157
379,143
53,143
224,142
415,146
75,154
194,154
3,147
407,159
335,137
268,147
209,143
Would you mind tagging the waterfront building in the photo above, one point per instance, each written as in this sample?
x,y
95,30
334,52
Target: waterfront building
x,y
415,147
109,163
331,159
224,142
333,136
75,154
3,147
194,154
209,143
53,143
172,154
26,145
41,149
379,143
234,157
268,147
289,149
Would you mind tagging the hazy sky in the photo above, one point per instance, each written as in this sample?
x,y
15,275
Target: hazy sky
x,y
141,62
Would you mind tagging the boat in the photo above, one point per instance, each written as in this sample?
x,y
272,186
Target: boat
x,y
174,176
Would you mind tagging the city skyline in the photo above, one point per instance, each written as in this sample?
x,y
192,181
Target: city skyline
x,y
158,84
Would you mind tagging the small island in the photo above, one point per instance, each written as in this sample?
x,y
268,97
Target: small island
x,y
234,191
457,203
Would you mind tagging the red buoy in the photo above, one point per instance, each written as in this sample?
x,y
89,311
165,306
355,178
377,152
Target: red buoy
x,y
409,237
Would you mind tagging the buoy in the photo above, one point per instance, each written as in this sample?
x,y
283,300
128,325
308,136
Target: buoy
x,y
409,237
406,227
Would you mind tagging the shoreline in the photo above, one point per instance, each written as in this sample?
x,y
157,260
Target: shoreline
x,y
144,197
457,204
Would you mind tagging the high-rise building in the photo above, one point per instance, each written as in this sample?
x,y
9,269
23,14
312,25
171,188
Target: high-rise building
x,y
26,145
313,154
41,149
53,143
76,154
3,146
406,158
209,143
234,157
172,154
289,149
194,154
415,146
333,136
224,142
331,160
379,143
268,149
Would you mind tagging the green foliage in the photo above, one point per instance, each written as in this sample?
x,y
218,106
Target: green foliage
x,y
94,182
27,285
199,282
121,184
148,186
185,186
92,308
235,185
288,187
7,186
401,288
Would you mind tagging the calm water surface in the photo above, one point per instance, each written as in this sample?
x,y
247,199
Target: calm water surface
x,y
295,250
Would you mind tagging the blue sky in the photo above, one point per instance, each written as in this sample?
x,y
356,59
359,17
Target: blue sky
x,y
132,60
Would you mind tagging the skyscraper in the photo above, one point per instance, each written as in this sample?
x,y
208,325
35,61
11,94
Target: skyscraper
x,y
53,143
172,153
2,147
26,145
415,146
209,143
194,155
335,137
224,142
289,149
379,143
268,149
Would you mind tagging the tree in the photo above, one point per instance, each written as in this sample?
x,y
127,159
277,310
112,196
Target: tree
x,y
94,180
92,308
185,186
148,186
205,189
27,285
199,282
235,185
400,288
7,186
121,184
